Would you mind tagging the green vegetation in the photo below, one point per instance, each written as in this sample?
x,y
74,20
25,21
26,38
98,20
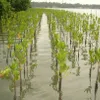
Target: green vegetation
x,y
7,6
19,5
21,28
73,36
74,39
5,9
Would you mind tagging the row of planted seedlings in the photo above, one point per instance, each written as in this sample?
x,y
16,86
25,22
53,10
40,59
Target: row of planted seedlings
x,y
22,28
82,36
59,54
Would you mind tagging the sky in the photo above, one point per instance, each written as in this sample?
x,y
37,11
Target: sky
x,y
72,1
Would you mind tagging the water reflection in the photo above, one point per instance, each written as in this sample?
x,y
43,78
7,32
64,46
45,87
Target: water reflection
x,y
5,93
56,79
27,73
33,60
32,64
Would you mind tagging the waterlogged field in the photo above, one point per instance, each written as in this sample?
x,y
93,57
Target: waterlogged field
x,y
95,12
48,54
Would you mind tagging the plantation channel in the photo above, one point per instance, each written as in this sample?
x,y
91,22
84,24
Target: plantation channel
x,y
50,55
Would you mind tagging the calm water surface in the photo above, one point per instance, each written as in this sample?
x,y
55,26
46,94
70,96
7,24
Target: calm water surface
x,y
43,84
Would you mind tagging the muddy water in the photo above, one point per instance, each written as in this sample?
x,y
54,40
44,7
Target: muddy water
x,y
73,86
5,93
87,11
41,89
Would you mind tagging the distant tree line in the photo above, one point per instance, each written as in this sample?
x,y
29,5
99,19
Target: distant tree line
x,y
6,6
63,5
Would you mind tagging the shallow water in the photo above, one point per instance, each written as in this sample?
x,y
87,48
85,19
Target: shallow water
x,y
41,89
73,86
5,93
40,84
87,11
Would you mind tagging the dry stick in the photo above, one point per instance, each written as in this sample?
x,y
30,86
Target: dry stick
x,y
7,59
56,61
27,58
11,52
35,39
14,80
3,42
60,76
31,51
90,73
73,61
90,70
70,40
24,71
78,54
78,59
27,62
86,39
60,86
15,90
96,82
20,81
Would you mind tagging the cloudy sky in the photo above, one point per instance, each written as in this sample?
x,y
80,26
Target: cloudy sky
x,y
72,1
